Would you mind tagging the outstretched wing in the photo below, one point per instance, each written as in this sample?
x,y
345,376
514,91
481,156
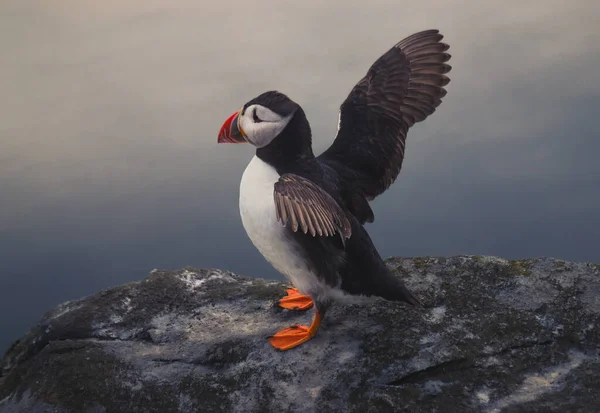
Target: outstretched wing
x,y
305,206
401,88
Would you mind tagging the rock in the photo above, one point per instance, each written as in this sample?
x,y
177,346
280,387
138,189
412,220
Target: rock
x,y
495,336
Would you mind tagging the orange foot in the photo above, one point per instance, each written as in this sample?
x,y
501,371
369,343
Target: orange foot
x,y
294,336
295,301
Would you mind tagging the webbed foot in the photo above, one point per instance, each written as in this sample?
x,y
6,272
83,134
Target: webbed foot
x,y
294,336
295,301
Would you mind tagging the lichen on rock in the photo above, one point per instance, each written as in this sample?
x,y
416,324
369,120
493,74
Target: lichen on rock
x,y
495,336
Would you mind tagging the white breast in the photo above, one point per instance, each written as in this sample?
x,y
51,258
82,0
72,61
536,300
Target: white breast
x,y
257,209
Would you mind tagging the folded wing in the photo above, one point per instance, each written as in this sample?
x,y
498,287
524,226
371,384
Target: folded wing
x,y
305,206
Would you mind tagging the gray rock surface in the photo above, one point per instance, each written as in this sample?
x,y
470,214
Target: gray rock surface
x,y
495,336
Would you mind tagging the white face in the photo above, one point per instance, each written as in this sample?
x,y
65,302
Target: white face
x,y
260,125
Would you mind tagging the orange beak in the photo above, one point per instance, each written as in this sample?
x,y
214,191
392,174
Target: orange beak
x,y
230,131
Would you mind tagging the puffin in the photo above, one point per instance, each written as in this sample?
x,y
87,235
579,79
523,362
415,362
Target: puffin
x,y
306,214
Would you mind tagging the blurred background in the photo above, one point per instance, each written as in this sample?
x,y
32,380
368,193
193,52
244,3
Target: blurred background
x,y
109,113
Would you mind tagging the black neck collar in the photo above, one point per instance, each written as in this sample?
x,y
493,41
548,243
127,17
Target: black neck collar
x,y
293,144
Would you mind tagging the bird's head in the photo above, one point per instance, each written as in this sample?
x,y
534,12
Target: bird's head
x,y
259,121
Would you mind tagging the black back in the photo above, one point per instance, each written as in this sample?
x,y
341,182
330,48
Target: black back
x,y
355,267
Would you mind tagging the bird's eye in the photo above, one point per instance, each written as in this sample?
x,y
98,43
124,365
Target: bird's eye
x,y
255,117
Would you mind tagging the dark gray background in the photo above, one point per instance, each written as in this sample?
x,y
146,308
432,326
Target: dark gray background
x,y
109,113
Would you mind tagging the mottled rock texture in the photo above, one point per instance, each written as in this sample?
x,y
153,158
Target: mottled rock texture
x,y
495,336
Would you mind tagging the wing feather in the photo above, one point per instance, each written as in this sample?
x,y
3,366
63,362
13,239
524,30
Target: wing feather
x,y
404,86
305,206
292,214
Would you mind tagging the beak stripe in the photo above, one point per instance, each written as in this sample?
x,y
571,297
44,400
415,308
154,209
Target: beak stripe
x,y
230,131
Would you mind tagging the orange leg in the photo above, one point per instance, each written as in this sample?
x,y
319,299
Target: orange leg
x,y
294,336
296,301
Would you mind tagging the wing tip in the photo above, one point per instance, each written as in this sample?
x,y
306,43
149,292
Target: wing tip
x,y
421,35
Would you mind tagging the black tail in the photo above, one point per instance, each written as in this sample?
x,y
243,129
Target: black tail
x,y
403,294
365,273
392,288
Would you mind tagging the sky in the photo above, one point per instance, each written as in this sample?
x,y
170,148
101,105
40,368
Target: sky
x,y
109,114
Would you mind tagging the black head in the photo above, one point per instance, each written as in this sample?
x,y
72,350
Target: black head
x,y
274,101
274,124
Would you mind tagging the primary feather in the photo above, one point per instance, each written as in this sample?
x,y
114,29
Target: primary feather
x,y
404,86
